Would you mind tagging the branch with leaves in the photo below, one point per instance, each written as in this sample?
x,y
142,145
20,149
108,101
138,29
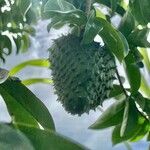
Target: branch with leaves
x,y
83,71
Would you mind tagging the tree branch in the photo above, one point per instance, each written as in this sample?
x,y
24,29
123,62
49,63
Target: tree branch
x,y
88,6
121,84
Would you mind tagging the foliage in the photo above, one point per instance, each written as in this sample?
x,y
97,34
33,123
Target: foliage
x,y
15,20
31,123
123,42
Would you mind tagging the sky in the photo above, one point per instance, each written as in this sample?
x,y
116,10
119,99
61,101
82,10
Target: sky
x,y
74,127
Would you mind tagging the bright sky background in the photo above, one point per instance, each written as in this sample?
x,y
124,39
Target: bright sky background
x,y
71,126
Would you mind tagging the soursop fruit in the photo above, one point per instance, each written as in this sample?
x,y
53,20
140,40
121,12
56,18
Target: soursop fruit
x,y
83,74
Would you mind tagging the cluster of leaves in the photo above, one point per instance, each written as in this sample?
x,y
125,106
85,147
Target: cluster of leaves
x,y
15,19
32,126
129,115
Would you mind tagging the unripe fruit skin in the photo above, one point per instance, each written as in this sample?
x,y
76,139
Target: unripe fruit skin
x,y
83,74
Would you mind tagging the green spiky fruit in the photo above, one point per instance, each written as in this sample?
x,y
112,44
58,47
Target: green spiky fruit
x,y
83,75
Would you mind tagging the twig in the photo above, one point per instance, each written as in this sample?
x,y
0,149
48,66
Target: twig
x,y
88,6
121,84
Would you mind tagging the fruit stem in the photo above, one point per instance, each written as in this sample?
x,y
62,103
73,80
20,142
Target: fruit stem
x,y
121,84
88,6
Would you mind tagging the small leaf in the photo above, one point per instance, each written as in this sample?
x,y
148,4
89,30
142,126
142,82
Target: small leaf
x,y
127,24
28,82
140,10
58,5
18,113
62,11
141,132
24,6
130,122
116,138
139,37
92,28
99,13
144,104
5,46
5,42
112,116
120,10
33,62
116,90
18,44
114,41
79,4
73,17
13,139
131,125
133,73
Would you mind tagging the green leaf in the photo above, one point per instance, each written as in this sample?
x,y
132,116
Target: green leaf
x,y
58,5
92,28
24,6
129,122
79,4
127,24
114,41
17,43
33,62
28,82
135,81
115,91
13,139
6,43
5,46
125,42
116,138
119,9
17,112
140,100
73,17
99,13
131,126
4,74
23,96
61,11
144,104
112,116
113,5
139,37
141,132
43,139
133,72
53,22
140,10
